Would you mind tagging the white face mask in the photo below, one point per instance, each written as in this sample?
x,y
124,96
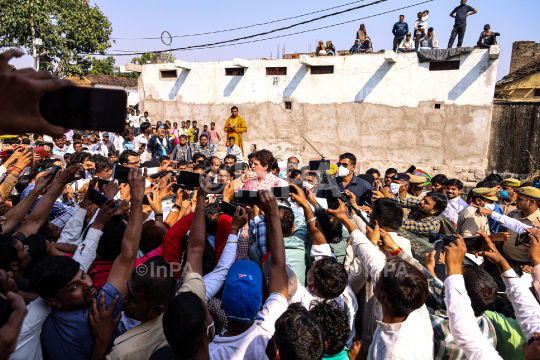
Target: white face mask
x,y
307,185
490,206
394,188
343,171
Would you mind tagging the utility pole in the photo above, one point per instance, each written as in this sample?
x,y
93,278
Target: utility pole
x,y
34,51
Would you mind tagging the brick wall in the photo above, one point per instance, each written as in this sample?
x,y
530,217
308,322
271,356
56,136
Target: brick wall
x,y
524,52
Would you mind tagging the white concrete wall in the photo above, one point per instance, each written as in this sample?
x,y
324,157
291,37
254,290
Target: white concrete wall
x,y
356,79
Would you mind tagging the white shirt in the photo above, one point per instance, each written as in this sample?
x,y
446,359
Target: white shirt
x,y
236,151
421,24
251,344
411,339
407,44
510,223
136,121
462,322
142,140
100,149
453,208
214,280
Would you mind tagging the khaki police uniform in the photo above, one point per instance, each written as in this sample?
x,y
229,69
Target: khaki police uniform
x,y
469,223
518,253
505,207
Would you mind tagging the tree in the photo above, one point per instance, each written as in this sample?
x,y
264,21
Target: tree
x,y
165,57
103,66
106,67
69,29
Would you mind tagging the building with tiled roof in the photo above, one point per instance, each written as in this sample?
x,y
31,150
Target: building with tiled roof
x,y
522,84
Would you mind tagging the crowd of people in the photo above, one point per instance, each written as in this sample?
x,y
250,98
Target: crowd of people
x,y
418,38
308,264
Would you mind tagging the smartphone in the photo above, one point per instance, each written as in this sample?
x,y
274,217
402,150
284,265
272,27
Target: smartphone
x,y
474,243
247,197
120,173
40,150
102,183
332,198
523,239
434,236
146,197
411,170
282,192
438,245
97,198
189,179
319,165
228,209
85,108
176,187
54,170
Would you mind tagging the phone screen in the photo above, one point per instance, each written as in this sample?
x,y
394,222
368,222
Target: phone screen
x,y
437,246
54,170
474,243
85,108
120,173
228,209
319,165
102,183
282,192
331,199
189,179
97,198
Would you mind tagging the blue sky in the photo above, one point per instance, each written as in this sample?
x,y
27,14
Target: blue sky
x,y
143,18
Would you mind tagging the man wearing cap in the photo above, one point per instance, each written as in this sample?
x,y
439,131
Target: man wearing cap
x,y
110,146
527,202
416,188
399,187
508,195
469,221
487,37
407,44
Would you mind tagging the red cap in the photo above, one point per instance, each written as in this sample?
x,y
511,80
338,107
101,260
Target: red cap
x,y
3,154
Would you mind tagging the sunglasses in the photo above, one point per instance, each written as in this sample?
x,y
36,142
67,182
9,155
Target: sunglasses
x,y
343,164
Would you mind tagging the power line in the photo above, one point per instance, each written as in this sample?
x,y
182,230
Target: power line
x,y
212,46
271,31
243,27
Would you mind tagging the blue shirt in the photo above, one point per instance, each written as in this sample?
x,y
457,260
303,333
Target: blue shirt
x,y
128,145
461,14
400,29
495,225
66,334
57,210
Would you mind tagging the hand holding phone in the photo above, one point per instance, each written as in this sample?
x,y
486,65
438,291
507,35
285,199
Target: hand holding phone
x,y
97,198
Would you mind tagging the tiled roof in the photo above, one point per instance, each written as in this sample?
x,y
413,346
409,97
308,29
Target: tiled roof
x,y
521,72
112,80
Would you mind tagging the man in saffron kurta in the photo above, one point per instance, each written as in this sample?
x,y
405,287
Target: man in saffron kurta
x,y
235,126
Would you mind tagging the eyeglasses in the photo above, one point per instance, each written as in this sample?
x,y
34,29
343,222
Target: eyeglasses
x,y
223,176
210,338
133,163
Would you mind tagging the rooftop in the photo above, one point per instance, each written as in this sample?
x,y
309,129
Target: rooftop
x,y
521,72
111,80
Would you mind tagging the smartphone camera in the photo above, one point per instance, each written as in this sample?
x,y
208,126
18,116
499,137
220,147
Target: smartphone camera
x,y
523,239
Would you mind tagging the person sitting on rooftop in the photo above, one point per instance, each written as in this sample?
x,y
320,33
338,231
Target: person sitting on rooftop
x,y
407,45
355,49
429,42
366,47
